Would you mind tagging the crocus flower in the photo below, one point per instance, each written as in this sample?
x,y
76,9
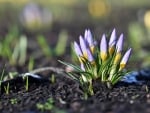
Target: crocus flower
x,y
103,48
90,56
85,53
112,42
78,51
125,59
89,39
119,46
83,47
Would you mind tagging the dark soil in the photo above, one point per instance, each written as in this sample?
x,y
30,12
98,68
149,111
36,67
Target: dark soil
x,y
68,97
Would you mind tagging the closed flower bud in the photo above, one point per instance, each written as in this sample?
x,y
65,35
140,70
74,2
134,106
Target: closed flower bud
x,y
89,39
125,59
83,47
103,48
112,42
119,44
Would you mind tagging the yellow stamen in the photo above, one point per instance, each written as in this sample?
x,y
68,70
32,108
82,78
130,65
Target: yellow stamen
x,y
103,56
117,58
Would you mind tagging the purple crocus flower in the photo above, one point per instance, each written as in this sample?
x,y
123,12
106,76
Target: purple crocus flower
x,y
112,41
77,49
119,44
89,39
84,52
83,47
79,54
112,38
103,48
125,59
90,56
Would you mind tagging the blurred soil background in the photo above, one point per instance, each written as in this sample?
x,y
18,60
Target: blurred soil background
x,y
42,22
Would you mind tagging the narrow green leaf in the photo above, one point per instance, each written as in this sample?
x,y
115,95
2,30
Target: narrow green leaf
x,y
68,64
61,43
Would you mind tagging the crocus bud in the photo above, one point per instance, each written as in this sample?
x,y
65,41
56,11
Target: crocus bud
x,y
77,49
125,59
83,47
89,39
103,48
119,44
90,56
112,42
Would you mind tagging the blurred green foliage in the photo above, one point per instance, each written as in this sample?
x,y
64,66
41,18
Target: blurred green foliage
x,y
140,40
13,47
60,47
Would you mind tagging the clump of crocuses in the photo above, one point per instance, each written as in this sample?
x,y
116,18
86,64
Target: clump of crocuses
x,y
102,60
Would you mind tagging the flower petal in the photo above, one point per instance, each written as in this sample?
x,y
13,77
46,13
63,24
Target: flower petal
x,y
125,59
112,40
103,48
83,46
90,56
119,44
77,49
89,38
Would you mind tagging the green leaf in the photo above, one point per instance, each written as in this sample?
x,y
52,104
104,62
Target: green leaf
x,y
44,46
61,43
77,68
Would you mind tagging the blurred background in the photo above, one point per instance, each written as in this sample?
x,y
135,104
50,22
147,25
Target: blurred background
x,y
39,27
